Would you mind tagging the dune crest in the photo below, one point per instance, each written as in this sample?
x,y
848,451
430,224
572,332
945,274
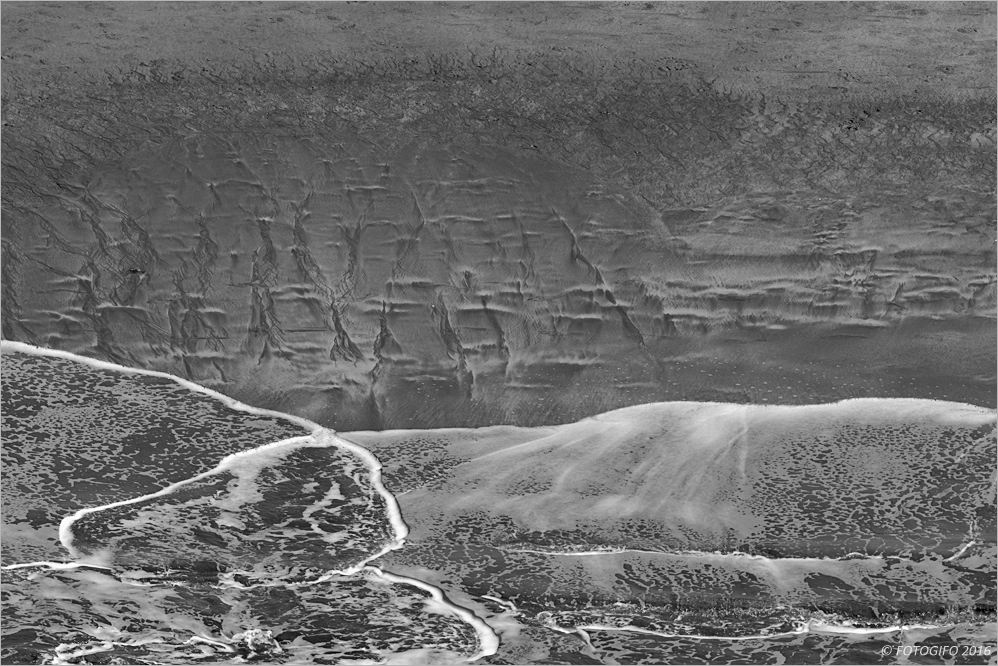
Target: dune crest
x,y
876,477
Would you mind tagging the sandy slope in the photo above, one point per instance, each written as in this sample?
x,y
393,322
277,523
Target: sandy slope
x,y
876,477
684,519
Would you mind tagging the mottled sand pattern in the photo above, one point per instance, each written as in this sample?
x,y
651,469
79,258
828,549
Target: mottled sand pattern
x,y
537,645
875,477
62,613
293,512
468,234
709,520
804,649
256,555
75,436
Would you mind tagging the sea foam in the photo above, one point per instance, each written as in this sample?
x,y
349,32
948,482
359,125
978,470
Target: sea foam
x,y
239,482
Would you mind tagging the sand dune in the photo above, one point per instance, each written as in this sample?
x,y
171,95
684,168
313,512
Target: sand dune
x,y
875,477
679,518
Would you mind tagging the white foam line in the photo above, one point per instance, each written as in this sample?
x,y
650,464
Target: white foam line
x,y
850,557
13,346
914,402
400,529
811,627
54,565
66,534
823,628
488,641
65,653
662,634
23,347
960,552
70,566
509,605
575,631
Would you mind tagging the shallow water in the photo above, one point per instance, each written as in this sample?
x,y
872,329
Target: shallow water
x,y
261,554
662,533
77,436
634,529
436,285
623,271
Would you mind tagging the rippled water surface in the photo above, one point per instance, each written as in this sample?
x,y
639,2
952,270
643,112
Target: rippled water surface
x,y
442,286
672,531
614,333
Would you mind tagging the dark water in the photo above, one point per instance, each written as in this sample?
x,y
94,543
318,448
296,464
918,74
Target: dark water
x,y
189,527
78,436
672,325
437,285
182,557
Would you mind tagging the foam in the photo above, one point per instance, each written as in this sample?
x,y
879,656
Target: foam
x,y
250,461
809,627
245,465
706,478
539,515
822,627
24,348
963,549
66,654
55,566
319,434
230,462
715,433
648,632
487,639
391,504
888,408
711,555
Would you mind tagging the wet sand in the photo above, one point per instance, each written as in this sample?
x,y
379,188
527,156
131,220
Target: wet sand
x,y
496,220
360,215
724,531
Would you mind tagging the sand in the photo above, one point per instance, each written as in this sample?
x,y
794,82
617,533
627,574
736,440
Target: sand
x,y
393,216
